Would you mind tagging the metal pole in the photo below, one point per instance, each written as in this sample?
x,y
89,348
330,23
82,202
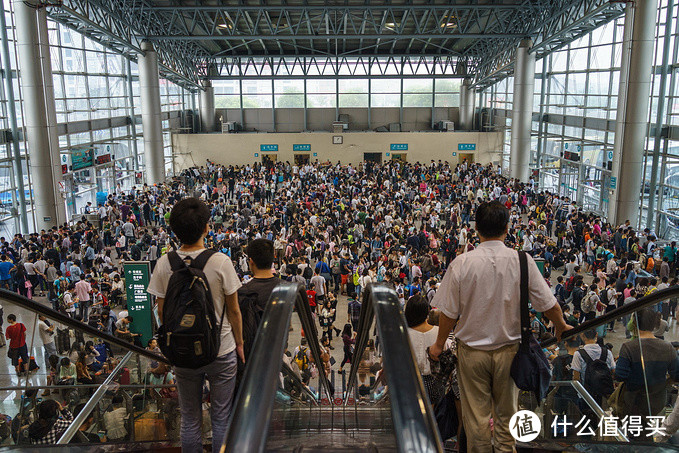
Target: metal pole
x,y
154,159
522,112
242,113
650,218
207,107
306,125
133,118
35,115
635,121
13,124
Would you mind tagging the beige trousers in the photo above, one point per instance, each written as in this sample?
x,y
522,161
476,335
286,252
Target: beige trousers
x,y
487,390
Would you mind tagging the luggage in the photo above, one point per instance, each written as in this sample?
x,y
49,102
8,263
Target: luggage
x,y
125,377
150,427
63,341
101,358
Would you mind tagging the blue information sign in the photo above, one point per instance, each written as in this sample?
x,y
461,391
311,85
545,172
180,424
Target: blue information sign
x,y
398,147
306,147
466,146
256,154
268,147
614,182
315,154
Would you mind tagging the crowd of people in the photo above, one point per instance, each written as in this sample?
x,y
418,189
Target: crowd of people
x,y
337,229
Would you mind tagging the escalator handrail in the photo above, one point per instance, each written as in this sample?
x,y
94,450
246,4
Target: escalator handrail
x,y
66,320
643,302
251,414
365,321
414,423
311,334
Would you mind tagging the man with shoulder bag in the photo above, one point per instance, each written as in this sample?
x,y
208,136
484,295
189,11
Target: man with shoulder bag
x,y
486,351
202,339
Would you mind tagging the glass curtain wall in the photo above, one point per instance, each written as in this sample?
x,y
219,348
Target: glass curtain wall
x,y
575,102
96,105
364,92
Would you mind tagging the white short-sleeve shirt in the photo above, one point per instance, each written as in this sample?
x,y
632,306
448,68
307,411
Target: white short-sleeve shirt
x,y
221,277
481,290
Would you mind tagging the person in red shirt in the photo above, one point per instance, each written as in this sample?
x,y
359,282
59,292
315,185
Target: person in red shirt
x,y
311,295
16,334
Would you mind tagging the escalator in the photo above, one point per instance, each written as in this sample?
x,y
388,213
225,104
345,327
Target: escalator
x,y
396,415
279,410
393,416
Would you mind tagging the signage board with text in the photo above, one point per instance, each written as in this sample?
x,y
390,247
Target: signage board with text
x,y
139,305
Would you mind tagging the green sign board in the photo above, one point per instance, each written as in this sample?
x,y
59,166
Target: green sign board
x,y
81,158
137,276
268,147
301,147
466,146
614,182
398,147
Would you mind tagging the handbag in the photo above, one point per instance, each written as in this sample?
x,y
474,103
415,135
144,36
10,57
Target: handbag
x,y
447,419
530,367
615,401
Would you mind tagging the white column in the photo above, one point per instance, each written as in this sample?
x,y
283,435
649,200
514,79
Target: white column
x,y
467,98
630,131
207,107
149,84
522,112
39,117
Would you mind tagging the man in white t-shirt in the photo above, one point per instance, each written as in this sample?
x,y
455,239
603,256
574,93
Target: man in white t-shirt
x,y
189,221
479,298
47,337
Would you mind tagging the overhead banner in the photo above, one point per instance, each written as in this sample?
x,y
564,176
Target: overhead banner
x,y
139,305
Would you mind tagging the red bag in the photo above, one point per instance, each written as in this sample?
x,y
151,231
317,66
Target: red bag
x,y
125,377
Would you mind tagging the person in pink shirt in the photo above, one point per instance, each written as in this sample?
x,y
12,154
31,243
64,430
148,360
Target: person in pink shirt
x,y
83,289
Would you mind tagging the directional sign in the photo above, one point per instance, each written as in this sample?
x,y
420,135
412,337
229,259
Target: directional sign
x,y
398,147
137,276
306,147
268,147
466,146
614,182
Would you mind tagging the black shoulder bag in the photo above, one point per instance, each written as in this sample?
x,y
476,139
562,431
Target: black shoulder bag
x,y
530,368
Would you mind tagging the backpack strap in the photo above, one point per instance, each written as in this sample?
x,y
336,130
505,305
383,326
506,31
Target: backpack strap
x,y
201,260
585,356
604,355
176,263
523,285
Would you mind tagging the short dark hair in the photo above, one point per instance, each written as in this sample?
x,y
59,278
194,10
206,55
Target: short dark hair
x,y
188,219
492,219
11,317
648,319
416,310
261,252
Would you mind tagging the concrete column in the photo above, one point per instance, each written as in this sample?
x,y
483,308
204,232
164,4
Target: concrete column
x,y
39,112
630,133
207,107
149,84
522,112
467,98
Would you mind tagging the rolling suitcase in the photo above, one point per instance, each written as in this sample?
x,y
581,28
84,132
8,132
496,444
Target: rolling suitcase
x,y
63,342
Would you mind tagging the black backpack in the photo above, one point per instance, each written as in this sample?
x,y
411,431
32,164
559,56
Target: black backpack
x,y
307,273
598,379
251,314
189,336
